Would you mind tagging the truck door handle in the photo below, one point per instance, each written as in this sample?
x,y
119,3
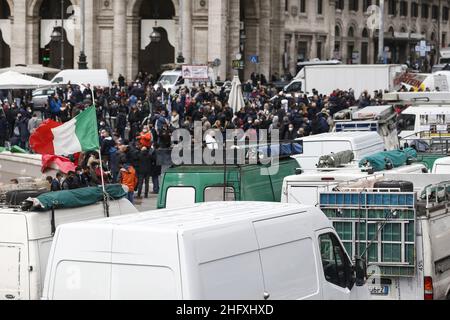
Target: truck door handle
x,y
266,296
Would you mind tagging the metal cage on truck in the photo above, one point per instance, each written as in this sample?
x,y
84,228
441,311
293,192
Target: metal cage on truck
x,y
377,225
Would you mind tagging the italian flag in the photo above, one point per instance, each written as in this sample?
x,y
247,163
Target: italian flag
x,y
78,135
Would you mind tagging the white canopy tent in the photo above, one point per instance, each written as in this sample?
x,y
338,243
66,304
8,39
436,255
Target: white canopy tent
x,y
35,72
236,99
11,80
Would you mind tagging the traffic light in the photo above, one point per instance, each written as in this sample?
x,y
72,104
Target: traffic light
x,y
46,57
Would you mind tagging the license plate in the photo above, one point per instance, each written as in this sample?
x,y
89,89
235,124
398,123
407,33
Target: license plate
x,y
379,290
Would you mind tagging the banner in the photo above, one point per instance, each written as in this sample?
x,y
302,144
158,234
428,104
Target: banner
x,y
195,72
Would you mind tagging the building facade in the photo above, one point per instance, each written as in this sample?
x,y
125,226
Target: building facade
x,y
346,30
277,34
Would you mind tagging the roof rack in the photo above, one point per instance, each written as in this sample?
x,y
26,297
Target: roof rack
x,y
232,153
418,97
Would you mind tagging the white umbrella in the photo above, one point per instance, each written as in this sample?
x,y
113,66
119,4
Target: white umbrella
x,y
24,70
236,99
15,80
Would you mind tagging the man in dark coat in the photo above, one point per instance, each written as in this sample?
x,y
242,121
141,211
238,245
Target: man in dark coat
x,y
11,116
155,171
71,182
56,184
3,130
143,171
24,134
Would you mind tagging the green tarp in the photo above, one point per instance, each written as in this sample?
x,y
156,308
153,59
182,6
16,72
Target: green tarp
x,y
382,160
14,149
79,197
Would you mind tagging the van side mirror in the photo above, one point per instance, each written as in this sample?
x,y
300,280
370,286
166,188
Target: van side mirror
x,y
360,272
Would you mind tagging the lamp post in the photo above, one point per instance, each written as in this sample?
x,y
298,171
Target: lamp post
x,y
62,34
439,31
82,60
381,52
180,58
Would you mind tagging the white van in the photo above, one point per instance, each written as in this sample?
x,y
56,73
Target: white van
x,y
173,80
25,241
213,251
170,80
361,143
96,78
442,166
305,188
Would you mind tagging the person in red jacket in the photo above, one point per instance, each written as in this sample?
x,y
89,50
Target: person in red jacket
x,y
129,178
145,138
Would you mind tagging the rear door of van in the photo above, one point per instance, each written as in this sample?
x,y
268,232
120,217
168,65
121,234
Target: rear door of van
x,y
288,258
14,277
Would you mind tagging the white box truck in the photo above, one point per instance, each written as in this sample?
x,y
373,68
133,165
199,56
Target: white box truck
x,y
213,251
326,79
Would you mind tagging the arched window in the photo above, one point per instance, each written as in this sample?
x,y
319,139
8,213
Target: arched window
x,y
337,31
365,33
351,32
391,31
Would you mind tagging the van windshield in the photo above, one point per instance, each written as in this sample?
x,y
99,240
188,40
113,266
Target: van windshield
x,y
406,122
445,60
168,79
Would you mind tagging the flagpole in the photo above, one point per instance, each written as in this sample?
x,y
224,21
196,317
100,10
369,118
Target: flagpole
x,y
102,174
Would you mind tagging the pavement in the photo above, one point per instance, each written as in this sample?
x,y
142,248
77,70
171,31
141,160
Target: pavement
x,y
146,204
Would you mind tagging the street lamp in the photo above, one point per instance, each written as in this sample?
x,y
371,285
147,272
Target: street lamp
x,y
56,35
381,51
82,60
59,35
155,36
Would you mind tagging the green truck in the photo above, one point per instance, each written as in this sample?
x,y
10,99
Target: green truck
x,y
186,185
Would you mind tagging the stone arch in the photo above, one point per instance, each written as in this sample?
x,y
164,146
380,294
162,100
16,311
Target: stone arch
x,y
134,6
5,14
339,29
35,6
152,15
42,49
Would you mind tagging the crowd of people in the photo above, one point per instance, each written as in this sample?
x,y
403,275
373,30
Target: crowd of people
x,y
137,119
